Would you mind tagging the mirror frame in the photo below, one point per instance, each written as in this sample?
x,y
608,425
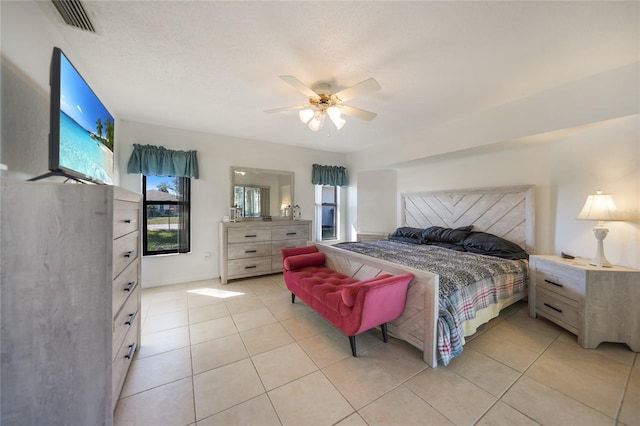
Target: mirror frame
x,y
291,175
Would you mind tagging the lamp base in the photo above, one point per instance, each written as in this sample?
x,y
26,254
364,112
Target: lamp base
x,y
600,232
601,262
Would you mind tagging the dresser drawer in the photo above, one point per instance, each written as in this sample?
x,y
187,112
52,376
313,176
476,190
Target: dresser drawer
x,y
558,308
253,266
125,218
125,320
124,284
125,251
242,251
123,359
276,263
564,281
290,232
246,235
276,246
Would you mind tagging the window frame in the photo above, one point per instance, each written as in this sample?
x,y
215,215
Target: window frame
x,y
319,210
184,205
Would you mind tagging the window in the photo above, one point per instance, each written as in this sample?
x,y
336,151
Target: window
x,y
167,208
327,211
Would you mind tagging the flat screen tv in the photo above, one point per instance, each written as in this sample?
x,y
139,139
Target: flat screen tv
x,y
81,128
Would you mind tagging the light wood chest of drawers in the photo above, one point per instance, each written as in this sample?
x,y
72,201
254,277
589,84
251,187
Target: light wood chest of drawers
x,y
70,302
252,248
596,304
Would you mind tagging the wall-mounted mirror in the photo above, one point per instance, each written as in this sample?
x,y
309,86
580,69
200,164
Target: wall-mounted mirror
x,y
262,193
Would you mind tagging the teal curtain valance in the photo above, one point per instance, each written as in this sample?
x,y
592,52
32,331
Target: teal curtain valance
x,y
329,175
153,160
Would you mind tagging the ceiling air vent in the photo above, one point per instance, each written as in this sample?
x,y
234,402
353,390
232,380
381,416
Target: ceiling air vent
x,y
74,14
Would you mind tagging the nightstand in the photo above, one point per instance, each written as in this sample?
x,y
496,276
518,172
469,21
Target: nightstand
x,y
596,304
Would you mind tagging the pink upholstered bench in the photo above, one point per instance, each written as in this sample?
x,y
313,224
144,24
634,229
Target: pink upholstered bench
x,y
350,305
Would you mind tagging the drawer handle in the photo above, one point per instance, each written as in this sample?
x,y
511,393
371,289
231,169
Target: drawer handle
x,y
251,251
250,236
132,349
553,307
130,285
250,267
129,221
292,233
552,283
132,316
129,254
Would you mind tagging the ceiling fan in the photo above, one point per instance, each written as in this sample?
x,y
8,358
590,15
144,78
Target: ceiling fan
x,y
323,102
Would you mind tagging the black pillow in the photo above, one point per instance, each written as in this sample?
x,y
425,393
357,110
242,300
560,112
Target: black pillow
x,y
408,235
492,245
456,247
439,234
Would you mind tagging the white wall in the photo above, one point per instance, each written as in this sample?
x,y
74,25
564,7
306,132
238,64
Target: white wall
x,y
211,193
565,170
28,38
377,200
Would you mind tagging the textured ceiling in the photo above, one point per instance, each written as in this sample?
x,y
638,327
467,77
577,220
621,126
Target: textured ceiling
x,y
214,66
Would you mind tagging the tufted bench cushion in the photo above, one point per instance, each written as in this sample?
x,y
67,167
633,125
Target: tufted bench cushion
x,y
351,305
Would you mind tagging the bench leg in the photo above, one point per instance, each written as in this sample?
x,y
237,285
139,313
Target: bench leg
x,y
352,341
385,337
293,298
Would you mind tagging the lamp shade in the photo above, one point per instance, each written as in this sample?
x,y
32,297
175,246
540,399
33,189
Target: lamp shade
x,y
339,122
305,115
599,207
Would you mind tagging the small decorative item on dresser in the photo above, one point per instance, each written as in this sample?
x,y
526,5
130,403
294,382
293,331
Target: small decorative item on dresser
x,y
235,214
297,212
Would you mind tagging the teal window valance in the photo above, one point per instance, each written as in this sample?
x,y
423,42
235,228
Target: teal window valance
x,y
153,160
329,175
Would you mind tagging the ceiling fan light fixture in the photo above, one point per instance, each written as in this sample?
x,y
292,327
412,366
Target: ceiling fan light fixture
x,y
314,125
305,115
317,121
339,122
334,112
322,102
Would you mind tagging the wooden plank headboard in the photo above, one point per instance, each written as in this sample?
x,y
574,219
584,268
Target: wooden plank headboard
x,y
508,212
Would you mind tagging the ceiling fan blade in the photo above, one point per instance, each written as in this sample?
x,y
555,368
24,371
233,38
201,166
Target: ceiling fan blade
x,y
367,86
299,85
358,113
291,108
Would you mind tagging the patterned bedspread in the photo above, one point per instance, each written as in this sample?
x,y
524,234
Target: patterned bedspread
x,y
468,282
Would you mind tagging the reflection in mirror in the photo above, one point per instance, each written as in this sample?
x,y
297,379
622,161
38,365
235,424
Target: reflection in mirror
x,y
262,193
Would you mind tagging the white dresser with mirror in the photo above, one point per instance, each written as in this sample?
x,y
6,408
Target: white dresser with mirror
x,y
262,223
252,248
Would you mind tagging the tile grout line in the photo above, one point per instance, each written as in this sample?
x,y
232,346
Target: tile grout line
x,y
193,385
521,374
625,389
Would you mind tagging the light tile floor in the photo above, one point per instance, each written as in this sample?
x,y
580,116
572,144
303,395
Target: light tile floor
x,y
242,354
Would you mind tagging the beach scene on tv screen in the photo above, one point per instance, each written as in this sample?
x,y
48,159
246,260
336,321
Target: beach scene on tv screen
x,y
86,128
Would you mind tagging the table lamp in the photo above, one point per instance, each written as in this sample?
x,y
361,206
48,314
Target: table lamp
x,y
599,207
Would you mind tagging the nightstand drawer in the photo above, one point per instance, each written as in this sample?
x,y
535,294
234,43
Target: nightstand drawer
x,y
558,309
567,282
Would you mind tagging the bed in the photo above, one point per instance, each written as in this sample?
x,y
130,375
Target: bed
x,y
506,212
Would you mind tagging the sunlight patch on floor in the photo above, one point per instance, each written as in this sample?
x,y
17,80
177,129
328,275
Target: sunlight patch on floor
x,y
214,292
